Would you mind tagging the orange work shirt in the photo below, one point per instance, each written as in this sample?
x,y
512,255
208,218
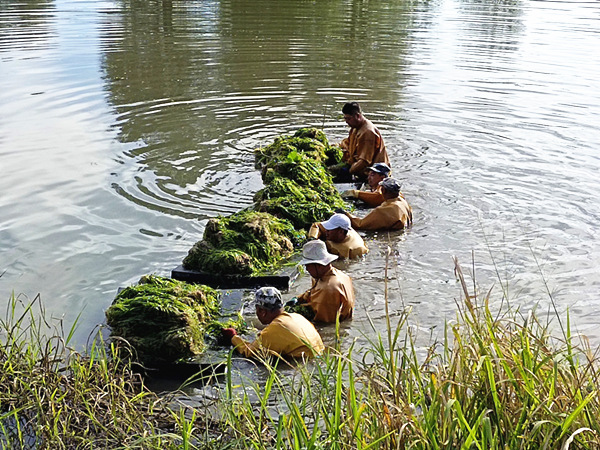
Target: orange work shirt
x,y
371,198
392,214
331,293
352,246
366,144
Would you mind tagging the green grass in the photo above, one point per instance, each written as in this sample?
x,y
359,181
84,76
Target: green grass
x,y
497,379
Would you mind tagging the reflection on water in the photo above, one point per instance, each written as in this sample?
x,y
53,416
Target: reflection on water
x,y
124,125
199,86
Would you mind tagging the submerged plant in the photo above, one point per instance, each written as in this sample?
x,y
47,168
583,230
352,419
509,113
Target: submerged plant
x,y
164,320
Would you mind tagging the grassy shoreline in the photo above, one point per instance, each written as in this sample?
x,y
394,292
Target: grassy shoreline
x,y
498,380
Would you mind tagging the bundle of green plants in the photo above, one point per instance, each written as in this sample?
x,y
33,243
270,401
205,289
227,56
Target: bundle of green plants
x,y
298,188
53,397
165,320
310,141
245,243
303,206
302,169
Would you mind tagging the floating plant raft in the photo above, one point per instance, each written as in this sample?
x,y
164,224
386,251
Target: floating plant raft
x,y
167,321
248,248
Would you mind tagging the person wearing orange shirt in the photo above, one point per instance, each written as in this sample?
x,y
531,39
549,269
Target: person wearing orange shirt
x,y
332,292
363,147
393,214
285,334
340,238
376,174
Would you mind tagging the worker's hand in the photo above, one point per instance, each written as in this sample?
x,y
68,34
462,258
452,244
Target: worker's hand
x,y
292,302
228,334
350,193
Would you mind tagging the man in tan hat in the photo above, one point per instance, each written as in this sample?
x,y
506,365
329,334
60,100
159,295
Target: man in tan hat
x,y
393,214
376,174
341,239
285,334
332,292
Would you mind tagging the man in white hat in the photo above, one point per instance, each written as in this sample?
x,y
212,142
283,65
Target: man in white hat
x,y
285,334
332,292
372,197
341,239
393,214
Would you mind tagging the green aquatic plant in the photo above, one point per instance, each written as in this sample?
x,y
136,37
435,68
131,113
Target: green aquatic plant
x,y
164,320
300,190
313,133
301,213
245,243
303,169
309,141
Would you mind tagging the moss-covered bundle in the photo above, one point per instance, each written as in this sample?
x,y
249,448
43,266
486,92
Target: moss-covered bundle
x,y
297,185
310,141
165,320
245,243
298,192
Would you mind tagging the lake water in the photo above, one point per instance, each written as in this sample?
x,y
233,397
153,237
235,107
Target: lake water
x,y
125,125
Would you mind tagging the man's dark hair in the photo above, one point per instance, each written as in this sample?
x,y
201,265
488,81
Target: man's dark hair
x,y
351,108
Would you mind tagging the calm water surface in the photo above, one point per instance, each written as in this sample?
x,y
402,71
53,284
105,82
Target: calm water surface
x,y
124,126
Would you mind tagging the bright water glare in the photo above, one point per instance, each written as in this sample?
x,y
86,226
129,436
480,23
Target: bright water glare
x,y
125,125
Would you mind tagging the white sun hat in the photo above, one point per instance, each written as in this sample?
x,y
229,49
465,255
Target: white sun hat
x,y
337,221
315,252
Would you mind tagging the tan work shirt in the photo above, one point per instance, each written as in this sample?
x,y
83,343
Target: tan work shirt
x,y
331,293
371,198
289,334
393,214
352,246
364,147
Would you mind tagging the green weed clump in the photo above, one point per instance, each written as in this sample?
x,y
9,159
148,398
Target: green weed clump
x,y
303,206
245,243
312,142
164,320
53,397
298,192
298,186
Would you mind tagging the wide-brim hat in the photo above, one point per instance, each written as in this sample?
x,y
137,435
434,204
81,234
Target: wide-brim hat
x,y
315,252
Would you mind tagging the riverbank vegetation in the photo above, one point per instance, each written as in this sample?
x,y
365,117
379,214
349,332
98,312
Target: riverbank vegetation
x,y
498,379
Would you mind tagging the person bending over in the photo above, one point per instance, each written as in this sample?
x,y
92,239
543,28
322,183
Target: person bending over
x,y
332,292
393,214
285,334
364,145
376,174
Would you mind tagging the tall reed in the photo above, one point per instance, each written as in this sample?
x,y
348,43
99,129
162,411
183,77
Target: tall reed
x,y
497,381
53,397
